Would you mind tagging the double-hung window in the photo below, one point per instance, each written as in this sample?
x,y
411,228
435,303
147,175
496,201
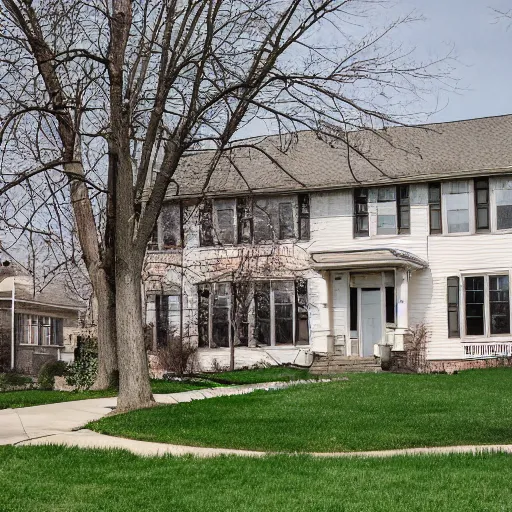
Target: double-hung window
x,y
486,305
386,211
167,231
457,206
503,200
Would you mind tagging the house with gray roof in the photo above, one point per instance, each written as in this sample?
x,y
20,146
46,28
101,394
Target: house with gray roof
x,y
350,248
36,326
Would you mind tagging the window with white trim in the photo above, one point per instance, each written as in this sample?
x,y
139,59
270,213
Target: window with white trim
x,y
503,200
456,198
487,305
38,330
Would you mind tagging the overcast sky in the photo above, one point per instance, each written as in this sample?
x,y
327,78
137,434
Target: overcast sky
x,y
483,47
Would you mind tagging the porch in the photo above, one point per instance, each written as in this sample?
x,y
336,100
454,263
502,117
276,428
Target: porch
x,y
367,299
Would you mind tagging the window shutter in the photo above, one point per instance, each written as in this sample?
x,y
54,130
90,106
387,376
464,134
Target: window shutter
x,y
453,307
206,224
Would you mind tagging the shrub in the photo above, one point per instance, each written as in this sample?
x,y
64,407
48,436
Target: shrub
x,y
82,372
11,379
48,372
177,356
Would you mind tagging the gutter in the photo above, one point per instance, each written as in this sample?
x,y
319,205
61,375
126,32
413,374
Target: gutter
x,y
398,180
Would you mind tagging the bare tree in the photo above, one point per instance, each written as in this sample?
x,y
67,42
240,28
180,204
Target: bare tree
x,y
98,88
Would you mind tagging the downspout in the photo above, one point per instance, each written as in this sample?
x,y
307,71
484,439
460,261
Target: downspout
x,y
12,326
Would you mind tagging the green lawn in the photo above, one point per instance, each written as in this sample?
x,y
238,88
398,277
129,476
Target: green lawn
x,y
56,479
27,398
369,411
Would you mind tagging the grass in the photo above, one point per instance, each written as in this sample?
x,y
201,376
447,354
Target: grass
x,y
54,479
272,374
27,398
367,412
30,397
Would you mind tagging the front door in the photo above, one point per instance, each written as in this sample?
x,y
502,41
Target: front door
x,y
371,320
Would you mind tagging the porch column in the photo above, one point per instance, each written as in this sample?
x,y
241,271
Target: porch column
x,y
319,319
402,309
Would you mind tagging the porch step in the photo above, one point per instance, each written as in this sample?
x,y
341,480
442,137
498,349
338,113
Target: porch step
x,y
332,363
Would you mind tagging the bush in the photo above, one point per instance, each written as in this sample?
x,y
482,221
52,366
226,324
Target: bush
x,y
178,357
82,372
11,379
48,372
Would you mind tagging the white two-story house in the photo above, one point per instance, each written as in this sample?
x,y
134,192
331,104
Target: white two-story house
x,y
325,246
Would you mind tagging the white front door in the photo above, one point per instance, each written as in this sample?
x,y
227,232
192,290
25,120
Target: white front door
x,y
371,320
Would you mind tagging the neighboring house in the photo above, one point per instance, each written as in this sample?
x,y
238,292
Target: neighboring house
x,y
35,327
320,250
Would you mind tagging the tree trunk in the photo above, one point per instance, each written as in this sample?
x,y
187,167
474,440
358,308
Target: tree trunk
x,y
134,384
87,234
107,349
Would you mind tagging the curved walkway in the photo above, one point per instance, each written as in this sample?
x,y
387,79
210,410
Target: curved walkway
x,y
59,423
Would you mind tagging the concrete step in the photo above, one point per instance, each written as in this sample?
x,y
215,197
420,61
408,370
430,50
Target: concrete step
x,y
333,363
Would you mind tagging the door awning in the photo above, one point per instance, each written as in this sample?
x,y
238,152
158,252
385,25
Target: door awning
x,y
366,259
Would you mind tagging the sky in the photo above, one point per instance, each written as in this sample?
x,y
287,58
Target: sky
x,y
483,48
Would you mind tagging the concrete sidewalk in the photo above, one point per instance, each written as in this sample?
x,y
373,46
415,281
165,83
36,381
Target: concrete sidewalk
x,y
41,421
58,423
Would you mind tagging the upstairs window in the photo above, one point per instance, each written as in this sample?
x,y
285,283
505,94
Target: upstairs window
x,y
254,220
273,219
224,221
434,206
503,197
167,231
361,224
386,211
482,204
457,206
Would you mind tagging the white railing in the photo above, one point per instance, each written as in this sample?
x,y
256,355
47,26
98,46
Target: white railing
x,y
488,350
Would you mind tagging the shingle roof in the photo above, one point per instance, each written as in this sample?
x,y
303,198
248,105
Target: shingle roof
x,y
423,152
54,294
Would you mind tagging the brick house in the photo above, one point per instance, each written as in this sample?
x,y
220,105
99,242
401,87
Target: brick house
x,y
35,326
320,250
